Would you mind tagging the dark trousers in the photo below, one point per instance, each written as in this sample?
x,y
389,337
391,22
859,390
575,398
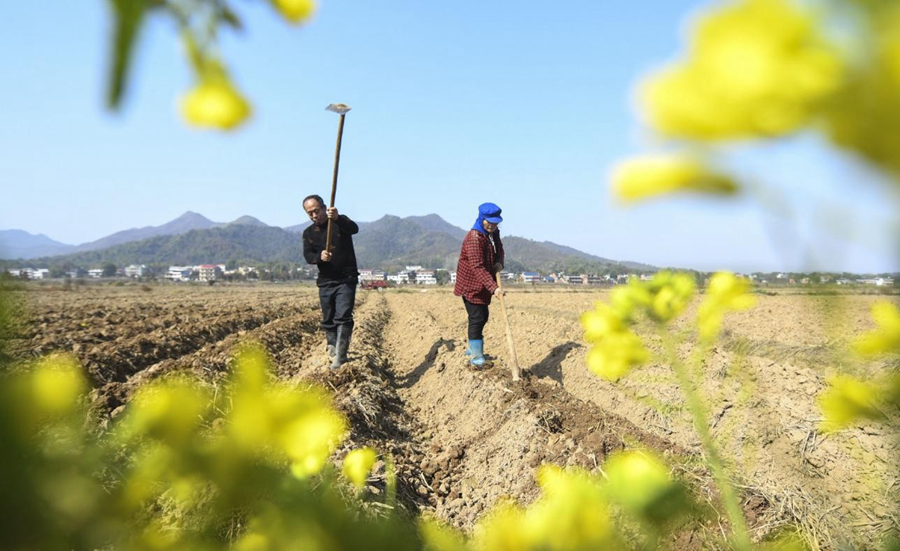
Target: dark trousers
x,y
478,317
337,301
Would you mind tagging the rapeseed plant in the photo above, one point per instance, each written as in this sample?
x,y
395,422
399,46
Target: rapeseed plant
x,y
849,399
616,349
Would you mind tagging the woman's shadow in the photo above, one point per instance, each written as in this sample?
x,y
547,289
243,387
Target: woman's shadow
x,y
551,365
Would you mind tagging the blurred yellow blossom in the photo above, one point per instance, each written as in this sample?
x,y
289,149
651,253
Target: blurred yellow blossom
x,y
754,68
624,299
865,116
847,400
439,537
312,436
570,514
616,354
215,103
641,484
57,385
295,11
170,410
601,321
886,338
671,293
357,465
651,175
725,293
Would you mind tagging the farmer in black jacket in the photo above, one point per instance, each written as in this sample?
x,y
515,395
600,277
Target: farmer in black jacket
x,y
338,275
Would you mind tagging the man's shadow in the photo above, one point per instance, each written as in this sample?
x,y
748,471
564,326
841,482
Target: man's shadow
x,y
423,367
551,365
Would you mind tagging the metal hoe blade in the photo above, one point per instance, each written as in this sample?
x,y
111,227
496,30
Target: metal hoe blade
x,y
339,108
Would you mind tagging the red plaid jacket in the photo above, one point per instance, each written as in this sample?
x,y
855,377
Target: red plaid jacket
x,y
475,272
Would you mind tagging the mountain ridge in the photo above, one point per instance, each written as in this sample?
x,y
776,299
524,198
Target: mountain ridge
x,y
389,243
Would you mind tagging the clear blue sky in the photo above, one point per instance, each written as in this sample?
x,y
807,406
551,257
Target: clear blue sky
x,y
526,104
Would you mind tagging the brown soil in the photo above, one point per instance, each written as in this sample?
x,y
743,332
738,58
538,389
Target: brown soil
x,y
462,439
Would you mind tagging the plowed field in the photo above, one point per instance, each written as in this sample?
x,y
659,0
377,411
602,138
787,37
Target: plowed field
x,y
464,438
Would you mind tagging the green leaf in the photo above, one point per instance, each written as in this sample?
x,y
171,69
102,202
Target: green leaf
x,y
230,18
129,15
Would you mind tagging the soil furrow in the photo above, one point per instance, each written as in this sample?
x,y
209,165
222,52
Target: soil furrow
x,y
488,433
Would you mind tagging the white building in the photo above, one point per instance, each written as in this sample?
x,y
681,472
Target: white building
x,y
425,277
507,276
14,272
878,281
371,275
208,272
530,277
399,279
453,277
95,273
179,273
41,273
135,271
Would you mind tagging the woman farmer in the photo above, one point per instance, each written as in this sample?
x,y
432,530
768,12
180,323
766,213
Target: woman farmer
x,y
480,259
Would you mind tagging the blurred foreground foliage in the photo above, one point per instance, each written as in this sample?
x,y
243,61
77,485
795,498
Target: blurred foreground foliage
x,y
214,101
764,69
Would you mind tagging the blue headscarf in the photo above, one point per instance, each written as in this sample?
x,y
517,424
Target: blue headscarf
x,y
489,212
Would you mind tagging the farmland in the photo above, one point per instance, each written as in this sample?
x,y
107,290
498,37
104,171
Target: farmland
x,y
463,439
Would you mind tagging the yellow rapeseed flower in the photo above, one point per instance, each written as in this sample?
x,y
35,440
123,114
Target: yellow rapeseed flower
x,y
625,299
439,537
601,321
504,528
57,385
616,354
648,176
865,117
671,293
295,11
311,438
847,400
215,103
571,513
357,465
886,338
754,68
641,484
170,411
725,293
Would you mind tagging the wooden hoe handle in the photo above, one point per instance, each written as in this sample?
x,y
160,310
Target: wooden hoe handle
x,y
513,360
337,162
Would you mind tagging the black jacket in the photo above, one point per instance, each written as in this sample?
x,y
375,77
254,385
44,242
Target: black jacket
x,y
342,267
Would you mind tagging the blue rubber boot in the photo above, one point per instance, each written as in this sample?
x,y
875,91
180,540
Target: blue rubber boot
x,y
476,351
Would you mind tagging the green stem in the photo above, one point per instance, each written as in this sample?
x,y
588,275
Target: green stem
x,y
740,539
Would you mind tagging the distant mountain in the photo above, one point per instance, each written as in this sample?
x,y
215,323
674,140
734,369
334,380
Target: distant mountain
x,y
389,243
298,228
589,257
183,224
433,222
248,221
21,244
241,242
